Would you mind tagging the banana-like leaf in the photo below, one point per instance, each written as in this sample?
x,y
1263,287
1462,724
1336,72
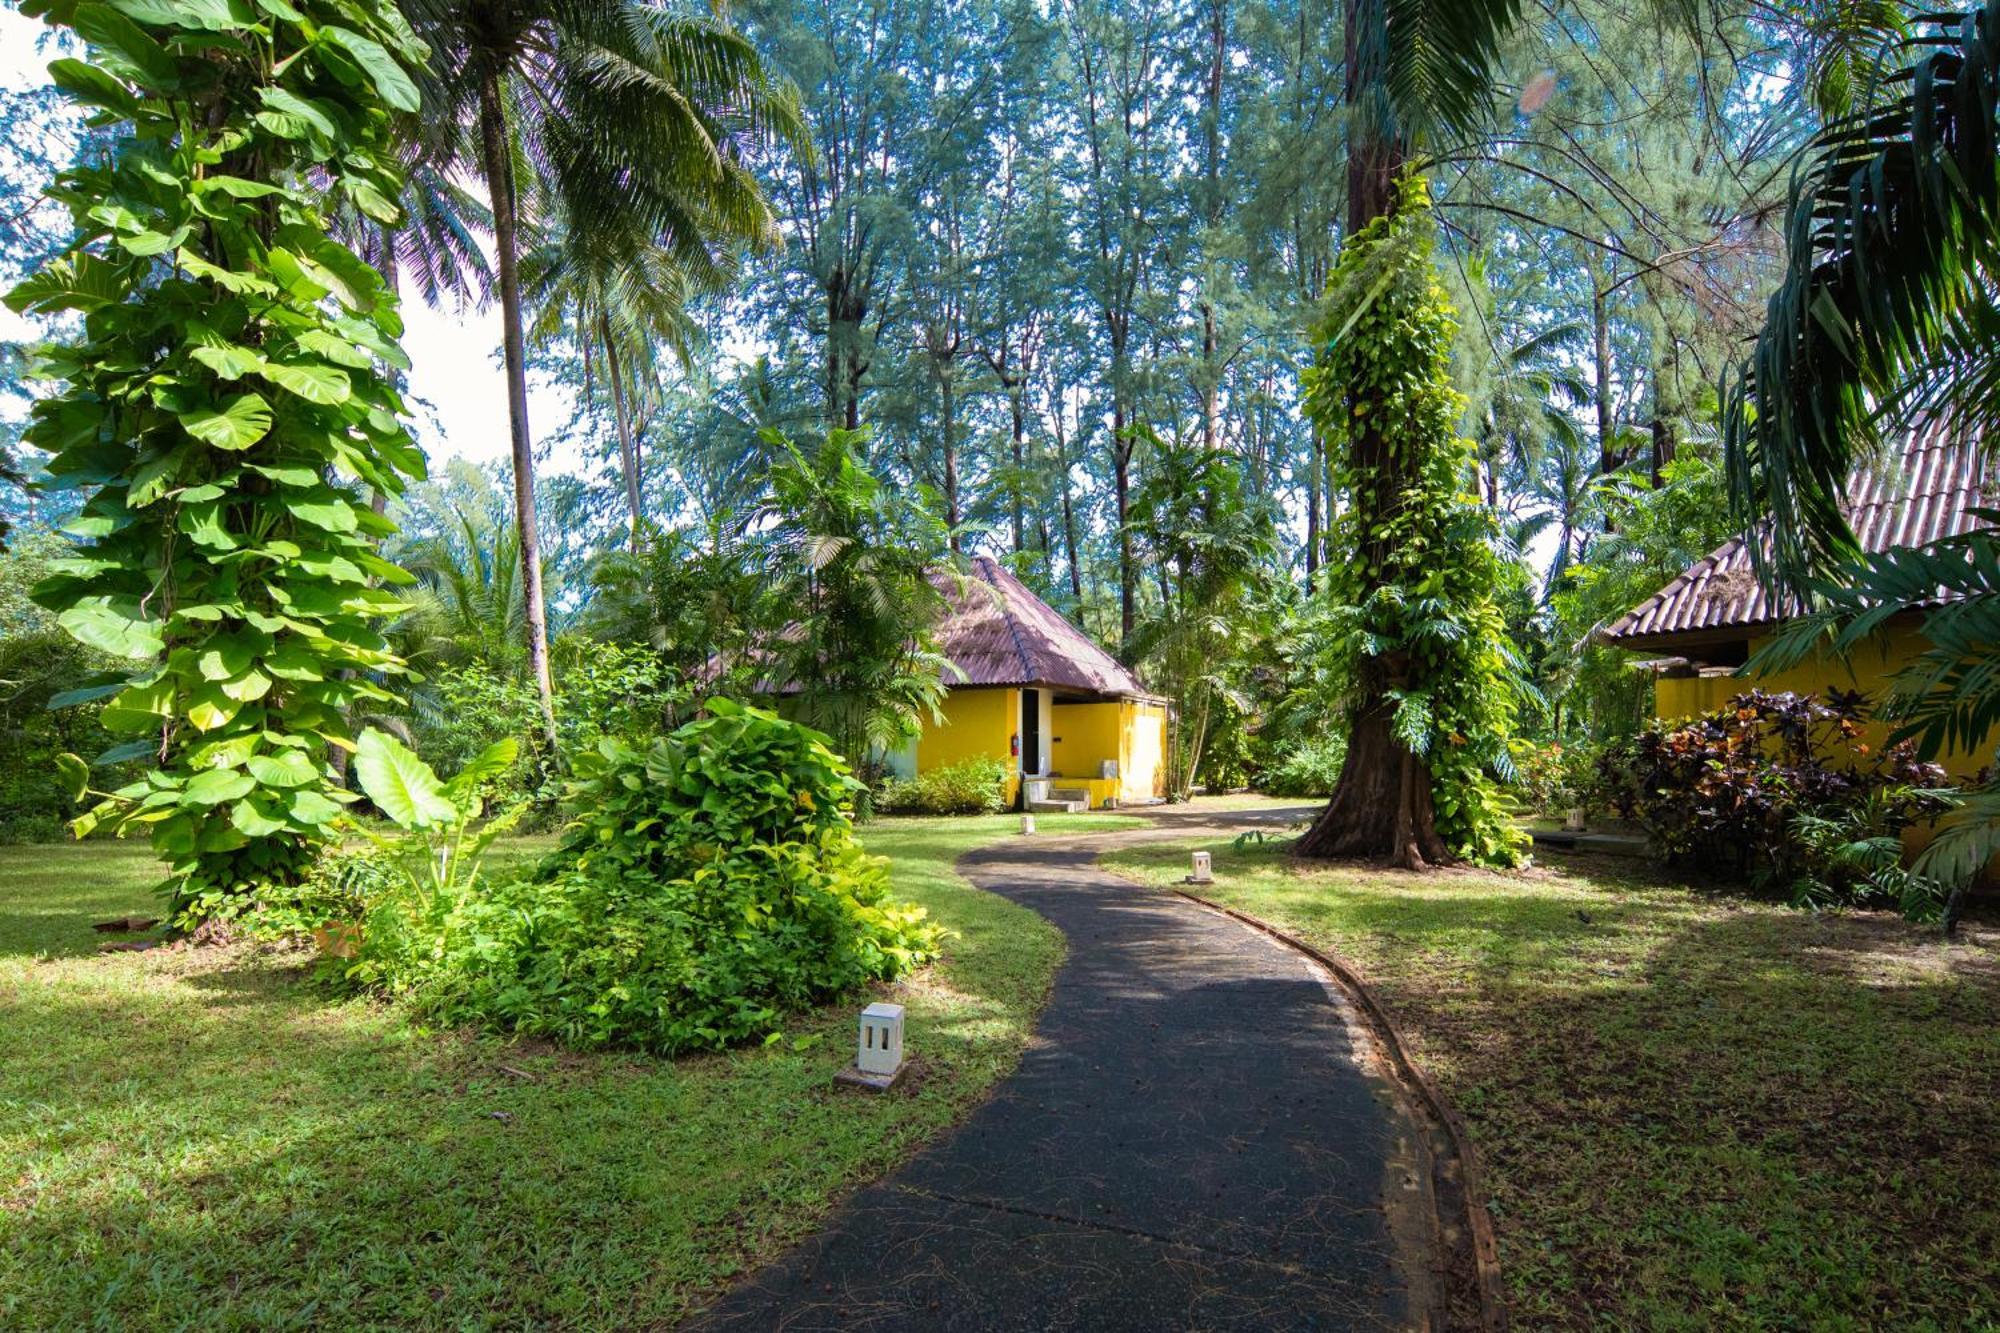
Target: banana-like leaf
x,y
401,785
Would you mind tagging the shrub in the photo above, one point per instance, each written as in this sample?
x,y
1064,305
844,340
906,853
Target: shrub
x,y
710,884
974,787
1309,766
1554,778
1781,790
342,885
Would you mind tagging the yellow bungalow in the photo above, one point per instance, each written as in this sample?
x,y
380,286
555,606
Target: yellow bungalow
x,y
1709,620
1032,690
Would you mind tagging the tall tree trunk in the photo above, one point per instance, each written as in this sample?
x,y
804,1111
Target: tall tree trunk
x,y
1600,336
1211,372
628,447
1381,806
1312,509
1018,407
506,244
1068,512
948,407
1121,485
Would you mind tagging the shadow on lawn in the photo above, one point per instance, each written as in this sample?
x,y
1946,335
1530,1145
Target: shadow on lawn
x,y
1701,1109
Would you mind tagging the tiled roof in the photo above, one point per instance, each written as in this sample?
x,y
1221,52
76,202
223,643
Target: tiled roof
x,y
1929,496
998,632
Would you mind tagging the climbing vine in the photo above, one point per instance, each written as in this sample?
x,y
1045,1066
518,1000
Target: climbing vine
x,y
1412,601
226,409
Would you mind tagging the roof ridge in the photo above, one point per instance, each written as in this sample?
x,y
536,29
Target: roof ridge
x,y
1031,666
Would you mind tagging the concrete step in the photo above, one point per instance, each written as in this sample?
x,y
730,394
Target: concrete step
x,y
1052,806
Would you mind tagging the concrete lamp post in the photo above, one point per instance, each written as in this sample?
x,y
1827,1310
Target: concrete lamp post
x,y
878,1056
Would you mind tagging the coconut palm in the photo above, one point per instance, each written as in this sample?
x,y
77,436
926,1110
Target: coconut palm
x,y
1889,312
620,114
621,299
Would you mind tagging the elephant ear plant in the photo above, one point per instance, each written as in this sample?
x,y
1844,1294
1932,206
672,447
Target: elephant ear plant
x,y
225,410
439,853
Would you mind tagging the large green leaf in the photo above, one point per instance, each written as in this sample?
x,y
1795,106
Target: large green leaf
x,y
402,786
110,31
333,515
117,625
391,80
316,384
217,786
241,422
286,768
489,763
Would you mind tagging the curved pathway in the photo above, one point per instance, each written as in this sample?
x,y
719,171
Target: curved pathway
x,y
1195,1139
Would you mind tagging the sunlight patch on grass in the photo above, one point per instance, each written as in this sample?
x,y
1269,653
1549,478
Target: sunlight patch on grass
x,y
204,1136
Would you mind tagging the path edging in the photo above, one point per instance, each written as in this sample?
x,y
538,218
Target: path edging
x,y
1485,1250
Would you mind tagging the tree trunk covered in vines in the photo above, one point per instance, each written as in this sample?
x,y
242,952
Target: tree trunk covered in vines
x,y
1381,807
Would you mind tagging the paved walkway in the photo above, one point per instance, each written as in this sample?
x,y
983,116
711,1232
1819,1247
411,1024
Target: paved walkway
x,y
1192,1142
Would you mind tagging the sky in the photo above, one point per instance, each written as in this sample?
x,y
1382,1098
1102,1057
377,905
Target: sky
x,y
455,364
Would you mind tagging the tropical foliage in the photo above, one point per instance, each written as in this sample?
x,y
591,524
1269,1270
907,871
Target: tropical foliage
x,y
1783,790
710,885
613,130
1886,316
852,560
1419,641
223,413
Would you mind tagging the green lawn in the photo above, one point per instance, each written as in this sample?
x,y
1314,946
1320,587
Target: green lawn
x,y
1696,1111
200,1136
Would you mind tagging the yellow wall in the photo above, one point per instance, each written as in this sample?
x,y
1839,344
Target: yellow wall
x,y
1129,731
977,724
1084,734
1868,670
982,723
1143,761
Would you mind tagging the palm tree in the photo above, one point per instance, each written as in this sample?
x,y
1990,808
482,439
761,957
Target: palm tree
x,y
1889,311
1418,71
854,558
621,299
618,114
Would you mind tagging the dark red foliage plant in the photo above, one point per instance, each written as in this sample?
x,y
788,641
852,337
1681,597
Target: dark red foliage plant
x,y
1781,790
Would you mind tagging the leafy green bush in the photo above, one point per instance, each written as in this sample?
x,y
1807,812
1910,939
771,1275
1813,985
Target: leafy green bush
x,y
341,886
973,787
1309,766
1553,779
38,662
709,885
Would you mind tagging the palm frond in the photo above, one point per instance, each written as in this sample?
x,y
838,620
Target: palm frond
x,y
1893,230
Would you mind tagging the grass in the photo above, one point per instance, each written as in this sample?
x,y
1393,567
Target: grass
x,y
201,1136
1695,1111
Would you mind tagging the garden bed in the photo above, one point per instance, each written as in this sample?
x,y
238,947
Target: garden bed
x,y
1694,1110
198,1135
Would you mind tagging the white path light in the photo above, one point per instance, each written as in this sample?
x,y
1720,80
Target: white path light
x,y
1203,870
878,1056
1027,824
